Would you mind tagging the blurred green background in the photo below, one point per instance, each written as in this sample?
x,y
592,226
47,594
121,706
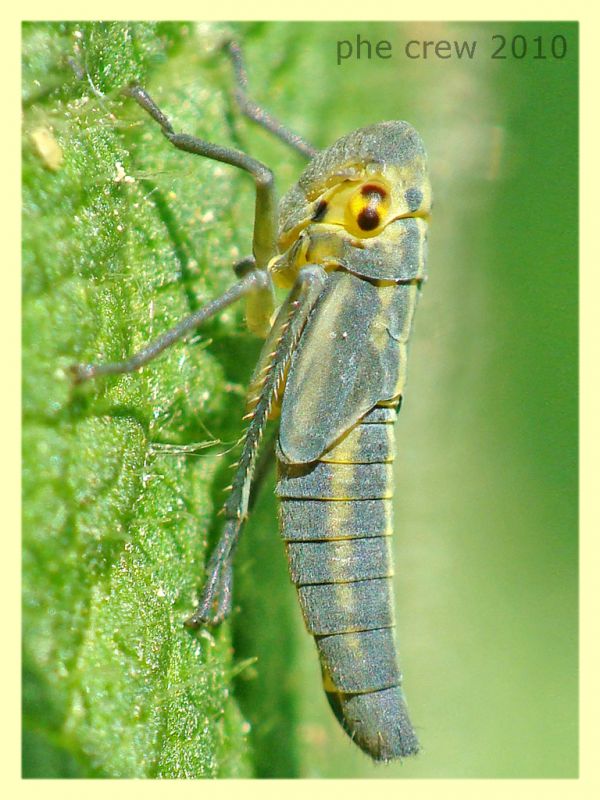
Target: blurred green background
x,y
123,236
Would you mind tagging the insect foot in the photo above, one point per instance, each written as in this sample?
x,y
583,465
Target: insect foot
x,y
79,373
215,603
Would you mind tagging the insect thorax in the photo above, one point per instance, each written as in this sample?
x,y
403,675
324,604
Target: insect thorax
x,y
361,205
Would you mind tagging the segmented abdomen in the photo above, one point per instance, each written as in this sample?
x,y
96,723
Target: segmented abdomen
x,y
336,520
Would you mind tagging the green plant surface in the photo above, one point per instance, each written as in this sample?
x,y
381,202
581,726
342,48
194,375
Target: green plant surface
x,y
122,237
116,525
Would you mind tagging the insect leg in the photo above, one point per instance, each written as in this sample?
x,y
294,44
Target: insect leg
x,y
222,574
215,602
256,280
264,465
265,219
258,114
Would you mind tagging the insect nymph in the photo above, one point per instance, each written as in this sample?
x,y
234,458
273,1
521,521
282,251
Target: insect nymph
x,y
349,242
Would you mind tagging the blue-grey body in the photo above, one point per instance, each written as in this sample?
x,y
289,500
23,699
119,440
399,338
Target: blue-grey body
x,y
345,381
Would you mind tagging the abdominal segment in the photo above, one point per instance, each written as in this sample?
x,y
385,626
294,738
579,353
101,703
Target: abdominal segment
x,y
336,521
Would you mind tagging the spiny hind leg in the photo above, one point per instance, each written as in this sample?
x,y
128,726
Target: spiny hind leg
x,y
215,601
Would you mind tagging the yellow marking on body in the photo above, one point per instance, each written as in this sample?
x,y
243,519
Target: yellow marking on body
x,y
388,546
345,597
342,549
400,383
380,339
342,478
328,684
425,187
422,225
389,524
391,442
310,391
344,452
339,552
389,487
349,448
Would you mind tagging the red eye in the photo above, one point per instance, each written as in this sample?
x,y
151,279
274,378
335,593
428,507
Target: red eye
x,y
367,209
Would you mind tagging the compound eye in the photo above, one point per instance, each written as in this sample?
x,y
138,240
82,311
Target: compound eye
x,y
367,209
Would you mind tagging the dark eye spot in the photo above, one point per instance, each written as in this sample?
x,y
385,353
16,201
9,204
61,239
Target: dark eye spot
x,y
320,211
368,219
414,198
